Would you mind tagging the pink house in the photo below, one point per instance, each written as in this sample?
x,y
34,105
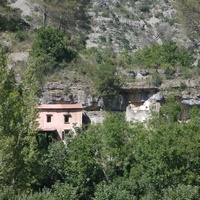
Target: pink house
x,y
60,118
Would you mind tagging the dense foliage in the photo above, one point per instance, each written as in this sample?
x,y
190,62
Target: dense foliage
x,y
107,81
13,24
50,50
162,56
116,161
18,150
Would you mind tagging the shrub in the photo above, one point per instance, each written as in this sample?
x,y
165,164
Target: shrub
x,y
5,49
106,80
105,14
21,35
182,192
169,72
157,56
156,79
7,193
102,38
54,43
182,85
50,51
187,74
144,7
12,24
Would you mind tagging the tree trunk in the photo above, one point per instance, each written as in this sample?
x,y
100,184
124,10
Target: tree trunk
x,y
44,14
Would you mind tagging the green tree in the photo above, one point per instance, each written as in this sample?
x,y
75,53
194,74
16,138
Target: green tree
x,y
116,147
175,55
18,147
107,81
82,171
52,42
149,57
49,51
55,161
165,157
172,110
102,153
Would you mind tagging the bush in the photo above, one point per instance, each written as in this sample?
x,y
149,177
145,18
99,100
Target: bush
x,y
156,79
64,191
187,74
12,24
182,85
4,49
144,7
160,56
21,35
182,192
112,191
50,51
102,38
7,193
169,72
106,80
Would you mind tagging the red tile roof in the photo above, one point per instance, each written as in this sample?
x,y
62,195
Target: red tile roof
x,y
60,106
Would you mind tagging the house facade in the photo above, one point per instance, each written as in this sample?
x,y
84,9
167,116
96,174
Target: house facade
x,y
59,118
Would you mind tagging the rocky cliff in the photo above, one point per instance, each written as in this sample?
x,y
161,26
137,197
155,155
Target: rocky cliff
x,y
130,25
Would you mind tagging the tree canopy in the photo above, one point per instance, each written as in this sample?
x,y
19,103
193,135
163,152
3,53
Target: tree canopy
x,y
50,49
116,160
18,153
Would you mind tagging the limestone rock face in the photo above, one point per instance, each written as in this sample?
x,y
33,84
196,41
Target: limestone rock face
x,y
191,97
76,93
131,25
59,92
188,91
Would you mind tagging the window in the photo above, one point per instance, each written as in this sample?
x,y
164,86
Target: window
x,y
49,118
66,119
